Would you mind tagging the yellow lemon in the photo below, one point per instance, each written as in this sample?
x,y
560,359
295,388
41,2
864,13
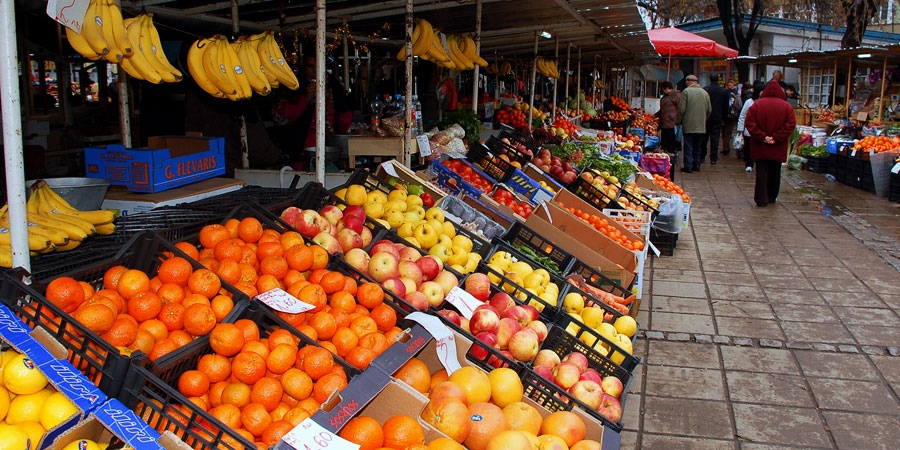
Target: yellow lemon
x,y
34,430
4,402
12,438
21,376
27,408
626,325
57,408
522,268
7,356
506,386
341,193
448,229
82,444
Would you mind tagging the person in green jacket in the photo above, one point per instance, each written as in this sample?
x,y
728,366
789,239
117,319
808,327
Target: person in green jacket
x,y
693,110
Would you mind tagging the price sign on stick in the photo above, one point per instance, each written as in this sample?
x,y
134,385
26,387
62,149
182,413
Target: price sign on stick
x,y
896,168
463,301
389,168
445,344
68,12
280,300
309,435
424,145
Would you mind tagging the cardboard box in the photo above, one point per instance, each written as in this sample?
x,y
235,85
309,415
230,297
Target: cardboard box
x,y
394,168
526,181
133,203
377,146
113,420
167,162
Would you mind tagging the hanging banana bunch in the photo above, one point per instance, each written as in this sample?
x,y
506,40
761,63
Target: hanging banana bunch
x,y
503,68
546,67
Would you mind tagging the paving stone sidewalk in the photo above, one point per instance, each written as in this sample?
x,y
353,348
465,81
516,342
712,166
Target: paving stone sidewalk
x,y
772,327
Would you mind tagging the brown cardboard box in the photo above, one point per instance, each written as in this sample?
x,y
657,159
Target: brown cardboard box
x,y
571,200
394,168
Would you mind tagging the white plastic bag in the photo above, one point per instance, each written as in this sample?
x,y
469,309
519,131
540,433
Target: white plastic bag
x,y
737,142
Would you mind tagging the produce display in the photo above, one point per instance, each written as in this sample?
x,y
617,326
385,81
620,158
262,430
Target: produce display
x,y
468,174
647,122
546,67
507,198
448,51
502,68
602,225
512,117
877,144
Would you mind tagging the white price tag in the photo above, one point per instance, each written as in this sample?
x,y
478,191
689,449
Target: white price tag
x,y
853,153
279,300
445,343
463,301
896,168
455,155
542,196
388,167
424,145
871,152
69,13
309,435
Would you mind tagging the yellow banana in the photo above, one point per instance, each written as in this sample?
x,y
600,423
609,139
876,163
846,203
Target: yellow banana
x,y
425,36
105,229
35,242
252,69
80,45
138,60
92,31
470,65
198,70
471,51
96,217
491,68
37,205
266,66
116,28
147,47
437,51
456,54
73,233
6,254
268,61
157,50
67,246
115,54
235,70
215,70
554,70
290,81
505,68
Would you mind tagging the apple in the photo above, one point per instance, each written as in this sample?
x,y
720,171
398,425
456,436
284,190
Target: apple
x,y
309,223
441,251
479,285
484,318
544,371
430,266
487,339
566,374
328,242
451,316
524,345
507,328
395,285
289,215
355,211
417,300
612,386
331,213
497,361
426,235
385,245
501,300
517,313
593,375
349,239
540,328
358,259
352,223
408,253
546,358
383,265
533,312
409,284
433,292
366,235
409,269
464,324
328,227
578,360
589,392
448,281
610,407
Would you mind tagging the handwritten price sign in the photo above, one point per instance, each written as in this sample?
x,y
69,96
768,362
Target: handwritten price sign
x,y
309,435
280,300
68,12
463,301
445,343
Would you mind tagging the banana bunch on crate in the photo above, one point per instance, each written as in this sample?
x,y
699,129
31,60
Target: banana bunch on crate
x,y
132,43
546,67
503,68
53,224
456,52
237,70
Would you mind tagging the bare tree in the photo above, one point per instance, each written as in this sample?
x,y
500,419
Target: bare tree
x,y
859,14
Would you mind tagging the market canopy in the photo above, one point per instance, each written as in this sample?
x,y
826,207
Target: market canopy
x,y
676,42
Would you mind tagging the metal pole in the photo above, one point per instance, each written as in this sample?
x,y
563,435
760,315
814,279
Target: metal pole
x,y
497,76
881,97
409,121
555,82
568,58
12,137
346,58
124,107
849,81
320,91
578,82
245,144
537,36
834,83
477,40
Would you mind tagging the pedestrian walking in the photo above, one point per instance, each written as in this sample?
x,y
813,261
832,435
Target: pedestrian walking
x,y
668,113
730,121
693,110
770,122
744,151
718,99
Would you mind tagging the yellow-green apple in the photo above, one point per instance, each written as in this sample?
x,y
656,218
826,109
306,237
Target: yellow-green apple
x,y
366,235
383,265
426,235
501,301
328,242
420,212
472,260
413,200
573,302
449,229
593,375
524,345
445,240
358,259
484,318
356,195
441,251
508,327
417,300
430,267
501,259
547,358
544,274
450,315
349,239
394,217
610,407
411,216
566,374
405,229
434,213
612,386
393,205
540,328
578,359
462,241
408,253
458,258
398,194
593,317
385,245
438,228
309,223
433,292
479,285
395,285
626,325
376,196
409,269
606,329
488,340
331,213
588,391
447,280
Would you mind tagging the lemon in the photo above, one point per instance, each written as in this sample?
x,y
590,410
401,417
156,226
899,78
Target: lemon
x,y
12,438
626,325
7,356
82,444
4,402
21,376
34,430
522,268
27,408
57,408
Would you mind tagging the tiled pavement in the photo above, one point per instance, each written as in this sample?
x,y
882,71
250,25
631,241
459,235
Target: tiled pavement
x,y
774,327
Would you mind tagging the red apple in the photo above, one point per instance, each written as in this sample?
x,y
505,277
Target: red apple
x,y
593,375
448,281
486,338
546,358
610,407
358,259
395,286
430,266
352,223
289,215
479,285
355,211
589,392
409,284
331,213
327,227
565,374
532,312
540,328
517,313
409,269
524,345
349,239
366,235
507,328
484,318
496,361
612,386
501,300
578,359
383,265
309,223
464,324
417,300
544,371
384,245
450,315
328,242
433,292
408,253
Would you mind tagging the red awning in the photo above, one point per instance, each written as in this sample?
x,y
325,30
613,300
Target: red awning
x,y
676,42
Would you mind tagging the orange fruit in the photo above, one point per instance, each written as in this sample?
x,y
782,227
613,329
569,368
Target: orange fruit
x,y
188,249
143,306
369,295
443,443
111,276
248,367
87,288
155,327
257,347
296,383
161,348
586,444
344,340
228,414
65,293
475,382
267,392
566,425
229,271
317,362
401,431
232,226
172,315
360,357
133,282
319,257
216,367
332,282
326,385
362,326
210,235
199,319
492,423
204,282
448,389
180,338
250,229
416,374
364,431
237,394
229,249
274,265
221,306
193,383
342,301
524,417
193,299
375,341
249,329
97,317
175,270
384,316
266,282
122,333
516,439
324,324
281,358
226,339
281,336
296,415
299,257
170,293
450,416
274,432
314,295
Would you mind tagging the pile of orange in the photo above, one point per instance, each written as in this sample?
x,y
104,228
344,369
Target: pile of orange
x,y
602,224
670,186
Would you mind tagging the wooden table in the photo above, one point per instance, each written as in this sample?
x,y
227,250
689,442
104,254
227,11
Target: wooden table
x,y
387,147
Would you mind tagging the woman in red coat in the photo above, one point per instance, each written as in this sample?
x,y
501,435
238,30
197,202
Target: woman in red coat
x,y
770,122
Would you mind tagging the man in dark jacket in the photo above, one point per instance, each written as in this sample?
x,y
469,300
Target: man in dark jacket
x,y
718,99
668,112
770,122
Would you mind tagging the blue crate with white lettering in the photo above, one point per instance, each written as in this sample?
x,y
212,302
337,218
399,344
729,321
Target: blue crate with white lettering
x,y
168,162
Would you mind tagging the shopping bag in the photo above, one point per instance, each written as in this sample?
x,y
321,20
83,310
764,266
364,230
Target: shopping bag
x,y
737,141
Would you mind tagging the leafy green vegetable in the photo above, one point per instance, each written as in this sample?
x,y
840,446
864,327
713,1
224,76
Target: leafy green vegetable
x,y
465,118
616,165
543,260
819,151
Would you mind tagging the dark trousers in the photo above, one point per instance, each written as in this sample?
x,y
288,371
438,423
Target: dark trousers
x,y
711,141
727,133
768,182
692,144
745,152
667,140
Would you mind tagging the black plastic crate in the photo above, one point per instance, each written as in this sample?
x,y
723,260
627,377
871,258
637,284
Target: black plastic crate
x,y
586,337
272,199
365,178
564,319
495,166
894,193
482,354
526,139
94,249
817,164
597,279
663,241
498,147
554,398
596,198
519,236
547,309
637,201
